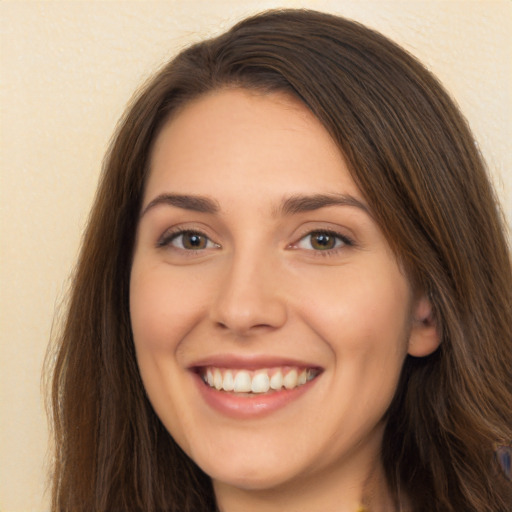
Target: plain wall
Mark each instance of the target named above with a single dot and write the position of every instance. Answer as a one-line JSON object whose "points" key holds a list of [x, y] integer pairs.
{"points": [[68, 69]]}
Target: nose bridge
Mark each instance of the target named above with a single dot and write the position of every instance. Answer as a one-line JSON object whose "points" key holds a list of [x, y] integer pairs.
{"points": [[249, 295]]}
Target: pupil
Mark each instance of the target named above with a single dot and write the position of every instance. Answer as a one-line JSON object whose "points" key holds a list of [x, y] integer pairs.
{"points": [[323, 241], [193, 241]]}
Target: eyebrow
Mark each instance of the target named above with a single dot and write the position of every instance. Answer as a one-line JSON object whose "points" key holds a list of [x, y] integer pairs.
{"points": [[291, 205], [307, 203], [200, 204]]}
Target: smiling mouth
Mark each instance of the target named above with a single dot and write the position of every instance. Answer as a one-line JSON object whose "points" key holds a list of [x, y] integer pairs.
{"points": [[261, 381]]}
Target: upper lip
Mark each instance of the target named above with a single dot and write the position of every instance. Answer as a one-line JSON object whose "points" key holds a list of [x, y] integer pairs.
{"points": [[246, 362]]}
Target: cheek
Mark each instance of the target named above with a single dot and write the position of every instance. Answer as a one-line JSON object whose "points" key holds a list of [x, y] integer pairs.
{"points": [[161, 316], [363, 317], [162, 311], [379, 311], [363, 310]]}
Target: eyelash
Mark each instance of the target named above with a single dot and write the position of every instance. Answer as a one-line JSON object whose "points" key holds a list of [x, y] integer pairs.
{"points": [[345, 242], [169, 237]]}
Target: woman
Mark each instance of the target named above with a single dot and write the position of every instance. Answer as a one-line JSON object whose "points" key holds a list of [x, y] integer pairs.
{"points": [[294, 291]]}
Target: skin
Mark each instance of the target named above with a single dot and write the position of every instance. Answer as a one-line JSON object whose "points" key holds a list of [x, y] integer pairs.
{"points": [[261, 287]]}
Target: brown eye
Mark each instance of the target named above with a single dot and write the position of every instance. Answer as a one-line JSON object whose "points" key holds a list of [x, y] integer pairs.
{"points": [[187, 241], [323, 241], [194, 241]]}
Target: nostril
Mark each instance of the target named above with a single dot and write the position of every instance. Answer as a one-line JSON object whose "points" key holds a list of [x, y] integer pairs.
{"points": [[244, 329]]}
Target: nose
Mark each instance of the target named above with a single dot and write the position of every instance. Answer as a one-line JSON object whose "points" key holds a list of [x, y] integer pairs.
{"points": [[250, 297]]}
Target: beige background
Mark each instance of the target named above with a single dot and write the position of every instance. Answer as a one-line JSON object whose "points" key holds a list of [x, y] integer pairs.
{"points": [[67, 70]]}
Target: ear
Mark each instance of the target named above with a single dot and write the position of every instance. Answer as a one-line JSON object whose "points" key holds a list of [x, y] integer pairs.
{"points": [[424, 337]]}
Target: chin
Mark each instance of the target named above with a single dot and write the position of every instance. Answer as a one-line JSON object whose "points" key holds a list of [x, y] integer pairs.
{"points": [[249, 477]]}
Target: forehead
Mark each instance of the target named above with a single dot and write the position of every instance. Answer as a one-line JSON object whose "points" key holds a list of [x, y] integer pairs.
{"points": [[238, 138]]}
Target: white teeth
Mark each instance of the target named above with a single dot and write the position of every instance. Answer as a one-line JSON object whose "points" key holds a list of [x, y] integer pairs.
{"points": [[260, 383], [217, 379], [242, 382], [290, 380], [228, 384], [276, 381]]}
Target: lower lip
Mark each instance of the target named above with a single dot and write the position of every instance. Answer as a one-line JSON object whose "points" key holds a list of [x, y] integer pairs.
{"points": [[252, 406]]}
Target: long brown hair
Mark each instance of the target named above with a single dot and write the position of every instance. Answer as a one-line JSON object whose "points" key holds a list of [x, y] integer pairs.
{"points": [[413, 157]]}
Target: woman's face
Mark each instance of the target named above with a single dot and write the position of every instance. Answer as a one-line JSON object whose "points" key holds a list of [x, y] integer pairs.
{"points": [[270, 317]]}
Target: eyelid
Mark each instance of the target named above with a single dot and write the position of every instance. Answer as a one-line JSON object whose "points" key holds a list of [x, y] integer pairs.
{"points": [[346, 241], [171, 234]]}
